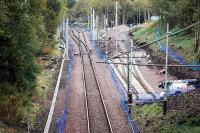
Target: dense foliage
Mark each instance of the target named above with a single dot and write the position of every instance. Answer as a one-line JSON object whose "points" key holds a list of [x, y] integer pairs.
{"points": [[181, 11], [178, 13], [138, 11], [26, 28], [70, 3]]}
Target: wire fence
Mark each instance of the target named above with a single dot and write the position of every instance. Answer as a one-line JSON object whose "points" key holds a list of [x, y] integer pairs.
{"points": [[61, 121], [124, 106], [174, 55], [118, 85]]}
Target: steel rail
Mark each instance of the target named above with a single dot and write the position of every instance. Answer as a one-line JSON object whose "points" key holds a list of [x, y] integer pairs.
{"points": [[97, 82], [141, 81], [125, 79], [84, 83]]}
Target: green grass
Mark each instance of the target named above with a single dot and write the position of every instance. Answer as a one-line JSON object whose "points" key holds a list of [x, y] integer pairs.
{"points": [[56, 52], [183, 43], [44, 80], [28, 113], [145, 34], [149, 119], [151, 111], [190, 126]]}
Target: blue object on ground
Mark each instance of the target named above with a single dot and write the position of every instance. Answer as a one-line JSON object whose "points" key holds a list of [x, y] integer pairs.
{"points": [[61, 121], [119, 87], [174, 55]]}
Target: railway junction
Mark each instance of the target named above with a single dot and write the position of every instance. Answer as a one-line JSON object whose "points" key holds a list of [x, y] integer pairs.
{"points": [[106, 81]]}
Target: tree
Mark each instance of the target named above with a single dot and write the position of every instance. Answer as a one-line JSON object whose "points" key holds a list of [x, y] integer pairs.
{"points": [[26, 27], [70, 3]]}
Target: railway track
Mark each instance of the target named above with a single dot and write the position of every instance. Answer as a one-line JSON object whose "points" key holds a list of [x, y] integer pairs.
{"points": [[97, 114], [136, 75], [125, 79]]}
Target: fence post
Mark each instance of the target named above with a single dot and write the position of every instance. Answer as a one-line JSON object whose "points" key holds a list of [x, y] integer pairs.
{"points": [[166, 73]]}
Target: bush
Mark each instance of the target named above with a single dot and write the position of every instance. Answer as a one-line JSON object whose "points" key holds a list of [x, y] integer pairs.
{"points": [[46, 51]]}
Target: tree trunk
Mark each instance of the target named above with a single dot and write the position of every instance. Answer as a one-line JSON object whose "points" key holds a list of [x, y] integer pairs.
{"points": [[145, 15], [197, 40], [124, 16], [198, 43], [139, 16], [149, 15]]}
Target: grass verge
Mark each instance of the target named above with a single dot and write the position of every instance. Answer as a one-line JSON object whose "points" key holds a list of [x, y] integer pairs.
{"points": [[149, 120], [183, 43]]}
